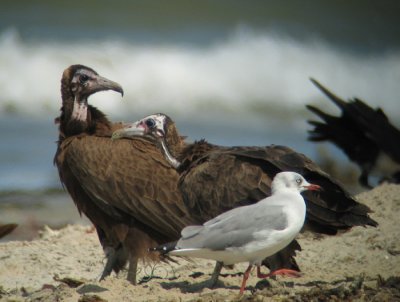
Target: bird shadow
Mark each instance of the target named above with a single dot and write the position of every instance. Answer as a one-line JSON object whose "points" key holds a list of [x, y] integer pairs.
{"points": [[188, 287]]}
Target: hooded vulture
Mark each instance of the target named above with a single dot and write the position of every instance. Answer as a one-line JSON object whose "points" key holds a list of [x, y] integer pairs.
{"points": [[364, 134], [215, 179], [126, 188]]}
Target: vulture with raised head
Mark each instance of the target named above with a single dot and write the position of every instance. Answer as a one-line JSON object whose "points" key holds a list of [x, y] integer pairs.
{"points": [[215, 179], [364, 134], [125, 187]]}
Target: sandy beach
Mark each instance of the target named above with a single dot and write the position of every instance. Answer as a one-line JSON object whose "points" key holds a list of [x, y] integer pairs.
{"points": [[65, 264]]}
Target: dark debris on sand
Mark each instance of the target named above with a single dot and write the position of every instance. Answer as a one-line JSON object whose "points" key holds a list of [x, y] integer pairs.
{"points": [[350, 289]]}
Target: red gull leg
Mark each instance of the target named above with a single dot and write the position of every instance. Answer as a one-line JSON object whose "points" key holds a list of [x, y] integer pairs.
{"points": [[283, 271], [245, 277]]}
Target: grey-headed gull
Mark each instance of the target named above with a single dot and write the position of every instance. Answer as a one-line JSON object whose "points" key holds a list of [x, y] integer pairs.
{"points": [[249, 233]]}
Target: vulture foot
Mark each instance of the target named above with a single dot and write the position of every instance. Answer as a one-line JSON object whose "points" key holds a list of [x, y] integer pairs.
{"points": [[111, 259], [116, 260]]}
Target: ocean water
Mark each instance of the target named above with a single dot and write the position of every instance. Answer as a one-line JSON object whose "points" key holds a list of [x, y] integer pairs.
{"points": [[233, 72]]}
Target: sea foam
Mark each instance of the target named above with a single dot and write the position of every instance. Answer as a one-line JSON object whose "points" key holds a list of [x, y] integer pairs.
{"points": [[246, 70]]}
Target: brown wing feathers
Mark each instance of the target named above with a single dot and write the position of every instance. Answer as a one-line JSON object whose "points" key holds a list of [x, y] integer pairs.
{"points": [[247, 172], [131, 180], [218, 179], [331, 209]]}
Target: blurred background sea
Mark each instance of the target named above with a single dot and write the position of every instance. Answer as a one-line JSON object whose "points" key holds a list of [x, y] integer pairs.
{"points": [[233, 72]]}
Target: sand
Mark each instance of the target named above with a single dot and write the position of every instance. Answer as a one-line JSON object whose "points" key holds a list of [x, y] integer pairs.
{"points": [[360, 265]]}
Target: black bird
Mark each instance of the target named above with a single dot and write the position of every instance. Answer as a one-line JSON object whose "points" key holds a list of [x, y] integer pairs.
{"points": [[364, 134]]}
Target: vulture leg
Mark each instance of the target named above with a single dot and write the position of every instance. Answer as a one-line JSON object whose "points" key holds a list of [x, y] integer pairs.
{"points": [[283, 271], [116, 259], [245, 277], [111, 257], [132, 270], [214, 277]]}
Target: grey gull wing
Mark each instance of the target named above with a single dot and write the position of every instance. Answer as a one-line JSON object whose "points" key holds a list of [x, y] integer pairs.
{"points": [[234, 228]]}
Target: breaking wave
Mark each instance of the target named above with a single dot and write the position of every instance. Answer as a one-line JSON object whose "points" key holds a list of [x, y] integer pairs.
{"points": [[249, 70]]}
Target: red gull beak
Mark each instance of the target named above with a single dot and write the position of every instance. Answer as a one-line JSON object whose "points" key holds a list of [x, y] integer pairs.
{"points": [[312, 187]]}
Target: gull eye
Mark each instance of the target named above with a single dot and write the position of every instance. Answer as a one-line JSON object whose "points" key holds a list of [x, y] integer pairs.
{"points": [[298, 180], [150, 123], [83, 78]]}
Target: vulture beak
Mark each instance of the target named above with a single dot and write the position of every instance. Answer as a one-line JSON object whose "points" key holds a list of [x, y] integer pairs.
{"points": [[312, 187], [101, 84], [130, 130]]}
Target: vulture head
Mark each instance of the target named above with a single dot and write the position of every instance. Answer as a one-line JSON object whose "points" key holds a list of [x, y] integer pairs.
{"points": [[77, 84], [159, 128], [156, 126]]}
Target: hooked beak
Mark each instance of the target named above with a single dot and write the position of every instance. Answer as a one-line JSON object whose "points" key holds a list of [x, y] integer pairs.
{"points": [[102, 84], [313, 187], [130, 130]]}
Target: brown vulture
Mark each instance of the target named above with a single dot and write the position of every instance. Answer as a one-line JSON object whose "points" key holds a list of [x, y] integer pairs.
{"points": [[364, 134], [215, 179], [123, 186]]}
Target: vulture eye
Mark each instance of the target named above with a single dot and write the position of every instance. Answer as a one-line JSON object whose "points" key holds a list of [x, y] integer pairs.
{"points": [[150, 123], [83, 78]]}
